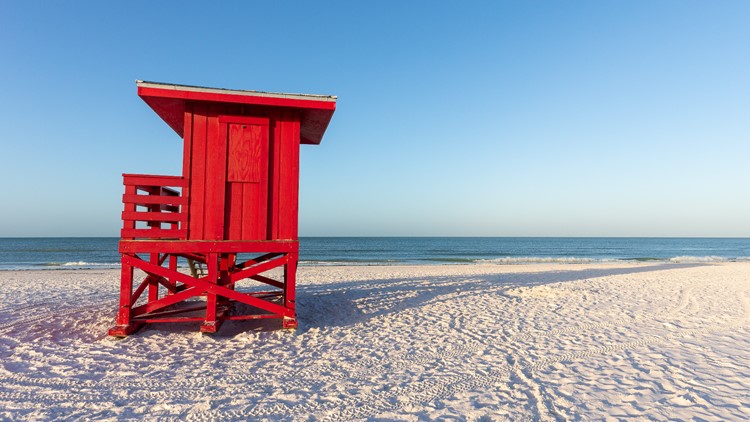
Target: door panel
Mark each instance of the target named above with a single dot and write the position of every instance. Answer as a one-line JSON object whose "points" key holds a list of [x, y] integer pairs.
{"points": [[247, 178], [248, 153]]}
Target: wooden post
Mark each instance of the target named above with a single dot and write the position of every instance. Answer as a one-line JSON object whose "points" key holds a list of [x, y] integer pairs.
{"points": [[124, 326], [153, 284], [210, 324], [290, 282], [173, 267]]}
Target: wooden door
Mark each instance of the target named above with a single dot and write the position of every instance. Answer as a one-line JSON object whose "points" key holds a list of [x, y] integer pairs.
{"points": [[247, 196]]}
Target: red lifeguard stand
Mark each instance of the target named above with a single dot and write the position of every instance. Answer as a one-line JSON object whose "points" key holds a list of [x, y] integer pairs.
{"points": [[238, 194]]}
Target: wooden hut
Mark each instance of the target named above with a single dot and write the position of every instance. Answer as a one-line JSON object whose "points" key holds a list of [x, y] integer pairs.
{"points": [[238, 194]]}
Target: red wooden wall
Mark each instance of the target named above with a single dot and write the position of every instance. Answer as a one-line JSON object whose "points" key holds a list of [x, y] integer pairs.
{"points": [[243, 166]]}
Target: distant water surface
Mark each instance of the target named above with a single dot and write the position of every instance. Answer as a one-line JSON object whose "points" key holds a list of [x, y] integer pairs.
{"points": [[101, 252]]}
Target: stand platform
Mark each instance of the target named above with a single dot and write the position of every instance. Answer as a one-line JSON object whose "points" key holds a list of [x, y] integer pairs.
{"points": [[172, 295]]}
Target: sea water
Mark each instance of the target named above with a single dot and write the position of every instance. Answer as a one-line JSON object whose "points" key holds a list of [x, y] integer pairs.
{"points": [[101, 252]]}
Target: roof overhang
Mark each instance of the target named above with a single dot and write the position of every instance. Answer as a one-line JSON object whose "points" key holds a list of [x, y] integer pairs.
{"points": [[169, 102]]}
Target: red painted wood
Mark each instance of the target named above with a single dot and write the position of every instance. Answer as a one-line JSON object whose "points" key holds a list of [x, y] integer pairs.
{"points": [[290, 295], [187, 148], [126, 285], [209, 325], [216, 174], [171, 109], [169, 319], [257, 260], [243, 119], [269, 281], [201, 247], [238, 194], [274, 175], [239, 99], [234, 211], [257, 269], [206, 286], [290, 206], [152, 199], [154, 216], [128, 206], [248, 153], [141, 288], [254, 211], [165, 301], [153, 284], [198, 172], [153, 180], [153, 233], [288, 177], [247, 177], [180, 310]]}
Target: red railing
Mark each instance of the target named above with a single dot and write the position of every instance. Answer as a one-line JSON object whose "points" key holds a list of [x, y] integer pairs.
{"points": [[154, 208]]}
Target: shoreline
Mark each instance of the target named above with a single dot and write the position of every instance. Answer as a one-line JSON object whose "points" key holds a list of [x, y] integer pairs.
{"points": [[505, 261]]}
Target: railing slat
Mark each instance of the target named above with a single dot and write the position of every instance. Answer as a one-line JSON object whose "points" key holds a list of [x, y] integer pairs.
{"points": [[153, 180], [153, 233], [154, 216], [153, 200]]}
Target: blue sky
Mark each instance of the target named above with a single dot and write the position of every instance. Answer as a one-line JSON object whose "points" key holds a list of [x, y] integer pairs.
{"points": [[510, 118]]}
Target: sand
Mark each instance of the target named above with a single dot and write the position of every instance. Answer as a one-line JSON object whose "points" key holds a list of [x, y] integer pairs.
{"points": [[476, 342]]}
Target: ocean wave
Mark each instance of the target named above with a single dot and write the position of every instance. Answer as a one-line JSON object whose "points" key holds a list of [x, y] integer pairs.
{"points": [[581, 260], [452, 260], [543, 260], [362, 262], [82, 264], [689, 259], [56, 250]]}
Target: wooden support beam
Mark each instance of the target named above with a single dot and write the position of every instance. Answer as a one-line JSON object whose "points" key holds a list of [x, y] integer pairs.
{"points": [[269, 281], [153, 180], [141, 288], [257, 269], [203, 247], [258, 260], [153, 233], [167, 301], [203, 285]]}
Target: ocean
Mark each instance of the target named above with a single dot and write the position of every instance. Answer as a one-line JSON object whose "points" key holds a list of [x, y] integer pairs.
{"points": [[101, 252]]}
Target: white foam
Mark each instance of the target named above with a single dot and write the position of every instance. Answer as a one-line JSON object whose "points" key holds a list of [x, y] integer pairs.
{"points": [[88, 264], [689, 259], [542, 260], [347, 263]]}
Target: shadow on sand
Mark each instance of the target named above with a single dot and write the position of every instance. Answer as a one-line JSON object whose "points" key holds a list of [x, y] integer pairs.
{"points": [[337, 305]]}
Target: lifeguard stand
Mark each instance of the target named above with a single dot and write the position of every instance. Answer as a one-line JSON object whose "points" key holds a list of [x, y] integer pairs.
{"points": [[238, 194]]}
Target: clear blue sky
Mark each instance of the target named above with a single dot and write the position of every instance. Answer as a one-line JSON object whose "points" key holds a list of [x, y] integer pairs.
{"points": [[499, 118]]}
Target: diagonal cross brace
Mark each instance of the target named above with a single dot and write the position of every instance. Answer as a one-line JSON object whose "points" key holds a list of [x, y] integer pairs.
{"points": [[166, 301], [259, 268], [269, 281], [205, 286], [258, 260]]}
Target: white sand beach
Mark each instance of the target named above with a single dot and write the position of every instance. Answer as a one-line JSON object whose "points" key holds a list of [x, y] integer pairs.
{"points": [[662, 341]]}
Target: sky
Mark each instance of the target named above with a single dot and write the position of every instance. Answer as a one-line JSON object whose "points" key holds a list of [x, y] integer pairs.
{"points": [[498, 118]]}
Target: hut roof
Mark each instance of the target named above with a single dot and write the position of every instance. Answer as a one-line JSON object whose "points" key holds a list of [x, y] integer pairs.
{"points": [[169, 102]]}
